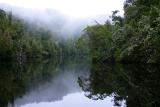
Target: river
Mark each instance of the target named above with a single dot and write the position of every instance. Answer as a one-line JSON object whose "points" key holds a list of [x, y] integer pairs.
{"points": [[78, 82]]}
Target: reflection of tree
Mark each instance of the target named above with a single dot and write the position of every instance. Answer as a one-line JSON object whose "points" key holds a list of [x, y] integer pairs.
{"points": [[10, 82], [15, 79], [18, 79], [138, 85]]}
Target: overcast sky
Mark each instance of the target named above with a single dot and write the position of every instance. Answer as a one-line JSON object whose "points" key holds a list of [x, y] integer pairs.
{"points": [[73, 8]]}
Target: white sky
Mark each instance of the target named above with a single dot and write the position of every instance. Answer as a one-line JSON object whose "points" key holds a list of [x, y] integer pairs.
{"points": [[74, 8]]}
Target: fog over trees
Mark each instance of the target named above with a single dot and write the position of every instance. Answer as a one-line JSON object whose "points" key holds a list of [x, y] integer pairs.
{"points": [[132, 37]]}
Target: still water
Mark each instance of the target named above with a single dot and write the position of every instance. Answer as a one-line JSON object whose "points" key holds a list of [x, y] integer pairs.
{"points": [[78, 82]]}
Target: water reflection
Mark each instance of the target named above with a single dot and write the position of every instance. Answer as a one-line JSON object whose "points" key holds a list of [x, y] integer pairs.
{"points": [[75, 82], [40, 81], [73, 100], [137, 85]]}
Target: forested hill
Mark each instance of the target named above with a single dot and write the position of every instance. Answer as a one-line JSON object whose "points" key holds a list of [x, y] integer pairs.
{"points": [[132, 38], [20, 40]]}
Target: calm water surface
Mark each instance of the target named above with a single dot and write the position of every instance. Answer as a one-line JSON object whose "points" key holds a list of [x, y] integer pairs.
{"points": [[78, 82]]}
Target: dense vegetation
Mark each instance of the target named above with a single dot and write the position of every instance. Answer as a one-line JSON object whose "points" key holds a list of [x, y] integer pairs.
{"points": [[20, 40], [132, 38]]}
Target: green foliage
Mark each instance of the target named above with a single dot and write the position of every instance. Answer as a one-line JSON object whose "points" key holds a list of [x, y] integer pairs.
{"points": [[20, 40], [132, 38], [82, 45], [100, 41]]}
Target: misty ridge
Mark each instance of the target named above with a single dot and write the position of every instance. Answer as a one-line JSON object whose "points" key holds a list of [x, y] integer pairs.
{"points": [[44, 32], [59, 24]]}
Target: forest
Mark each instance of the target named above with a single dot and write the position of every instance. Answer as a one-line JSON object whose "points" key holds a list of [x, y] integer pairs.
{"points": [[20, 40], [108, 64], [134, 37]]}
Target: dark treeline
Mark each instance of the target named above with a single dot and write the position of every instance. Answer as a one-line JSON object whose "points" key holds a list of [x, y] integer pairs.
{"points": [[132, 38], [21, 40]]}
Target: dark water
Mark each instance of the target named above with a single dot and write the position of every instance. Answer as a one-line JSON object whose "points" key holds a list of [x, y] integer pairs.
{"points": [[78, 82]]}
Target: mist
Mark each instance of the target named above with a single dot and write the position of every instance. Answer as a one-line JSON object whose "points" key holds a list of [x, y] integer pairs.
{"points": [[63, 23]]}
